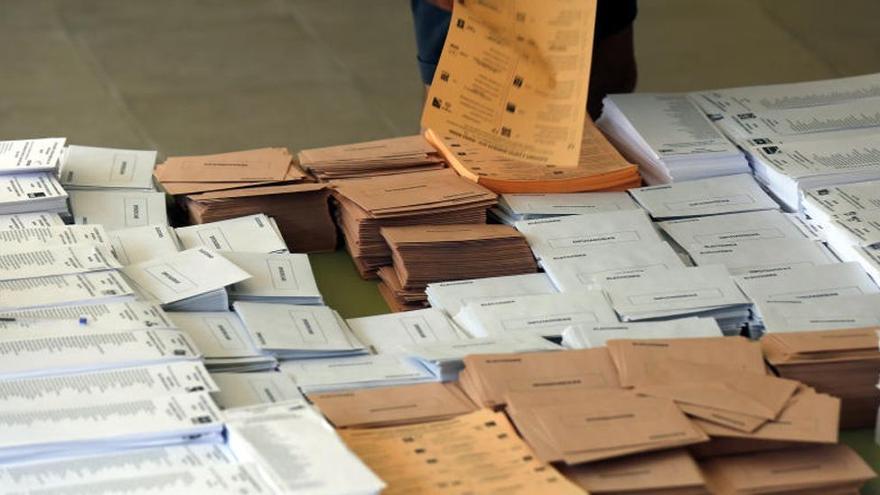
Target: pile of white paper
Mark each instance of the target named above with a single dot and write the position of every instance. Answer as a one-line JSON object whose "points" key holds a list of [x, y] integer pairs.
{"points": [[394, 333], [139, 244], [223, 341], [450, 296], [730, 194], [831, 313], [275, 278], [343, 373], [250, 389], [515, 207], [249, 234], [118, 209], [588, 336], [27, 179], [87, 167]]}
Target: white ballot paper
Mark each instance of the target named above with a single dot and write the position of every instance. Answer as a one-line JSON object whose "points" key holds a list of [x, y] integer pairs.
{"points": [[541, 315], [67, 235], [250, 234], [90, 167], [61, 290], [390, 333], [185, 274], [43, 393], [30, 353], [729, 194], [134, 315], [765, 256], [248, 389], [75, 473], [139, 244], [290, 331], [343, 373], [830, 313], [578, 271], [216, 334], [118, 209], [298, 451], [59, 260], [588, 336], [771, 124], [822, 204], [449, 297], [734, 227], [26, 193], [808, 283], [563, 235], [283, 278], [30, 155], [533, 206], [860, 229], [119, 422], [33, 220]]}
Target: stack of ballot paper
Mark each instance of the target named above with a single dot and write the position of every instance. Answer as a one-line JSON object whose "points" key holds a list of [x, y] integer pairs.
{"points": [[64, 290], [449, 297], [730, 194], [31, 192], [133, 315], [250, 234], [823, 469], [254, 388], [733, 227], [842, 363], [665, 472], [118, 209], [28, 263], [36, 219], [347, 373], [539, 315], [600, 166], [224, 342], [289, 331], [422, 254], [591, 335], [669, 137], [397, 333], [791, 314], [381, 157], [397, 454], [280, 278], [515, 207], [390, 406], [191, 280], [856, 238], [21, 156], [762, 256], [87, 167], [824, 204], [422, 198], [138, 244]]}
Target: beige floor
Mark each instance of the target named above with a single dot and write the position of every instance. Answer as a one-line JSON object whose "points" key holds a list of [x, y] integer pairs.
{"points": [[199, 76]]}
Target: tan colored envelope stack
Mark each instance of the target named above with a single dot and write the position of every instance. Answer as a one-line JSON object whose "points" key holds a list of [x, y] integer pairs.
{"points": [[372, 158], [669, 472]]}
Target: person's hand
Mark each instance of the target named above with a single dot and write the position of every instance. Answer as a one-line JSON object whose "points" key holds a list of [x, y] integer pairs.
{"points": [[442, 4]]}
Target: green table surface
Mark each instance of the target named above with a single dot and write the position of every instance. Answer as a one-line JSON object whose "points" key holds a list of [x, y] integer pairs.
{"points": [[346, 292]]}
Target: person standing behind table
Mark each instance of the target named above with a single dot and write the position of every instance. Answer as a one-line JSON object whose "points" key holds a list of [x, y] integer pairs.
{"points": [[614, 62]]}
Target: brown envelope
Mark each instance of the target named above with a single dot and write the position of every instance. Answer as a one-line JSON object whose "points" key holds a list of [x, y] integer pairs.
{"points": [[651, 473], [426, 234], [823, 346], [393, 405], [264, 164]]}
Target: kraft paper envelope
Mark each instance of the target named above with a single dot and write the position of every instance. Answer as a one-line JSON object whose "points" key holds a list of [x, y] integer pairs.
{"points": [[264, 164], [655, 472]]}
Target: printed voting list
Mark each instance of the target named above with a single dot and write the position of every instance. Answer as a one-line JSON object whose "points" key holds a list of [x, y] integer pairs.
{"points": [[67, 235], [515, 207], [588, 336], [30, 155], [26, 193], [394, 332], [139, 244], [185, 274], [513, 78], [90, 167], [60, 260], [283, 278], [118, 209], [33, 220], [249, 389], [134, 315], [822, 204], [450, 296], [252, 233], [730, 194], [61, 290]]}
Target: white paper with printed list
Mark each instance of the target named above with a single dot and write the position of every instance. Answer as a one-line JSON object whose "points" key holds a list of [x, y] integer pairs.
{"points": [[542, 315], [765, 256], [139, 244], [342, 373], [449, 297], [37, 238], [391, 333], [30, 155], [249, 234], [578, 271], [91, 167], [57, 260], [118, 209], [283, 277], [563, 235], [27, 193], [134, 315], [734, 227], [822, 204], [588, 336], [33, 220], [717, 195], [61, 290], [185, 274]]}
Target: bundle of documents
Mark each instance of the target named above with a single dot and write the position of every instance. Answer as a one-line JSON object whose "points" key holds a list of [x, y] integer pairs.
{"points": [[600, 167], [390, 406], [669, 137], [250, 234], [842, 363], [36, 219], [347, 373], [301, 211], [372, 158], [118, 209], [31, 192], [515, 207], [222, 339], [539, 315], [423, 254], [665, 472], [824, 204], [789, 168], [87, 167], [397, 333], [398, 455], [280, 278], [729, 194], [255, 388], [21, 156], [63, 290], [449, 297], [55, 260], [422, 198], [822, 469], [588, 336], [289, 331], [191, 280]]}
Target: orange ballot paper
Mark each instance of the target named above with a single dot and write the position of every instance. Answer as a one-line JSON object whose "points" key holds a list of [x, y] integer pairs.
{"points": [[513, 77]]}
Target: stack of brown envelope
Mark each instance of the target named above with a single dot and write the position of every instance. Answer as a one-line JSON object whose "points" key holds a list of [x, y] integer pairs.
{"points": [[819, 470], [438, 197], [580, 426], [372, 158], [424, 254], [387, 406], [478, 452], [669, 472], [843, 363], [488, 378]]}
